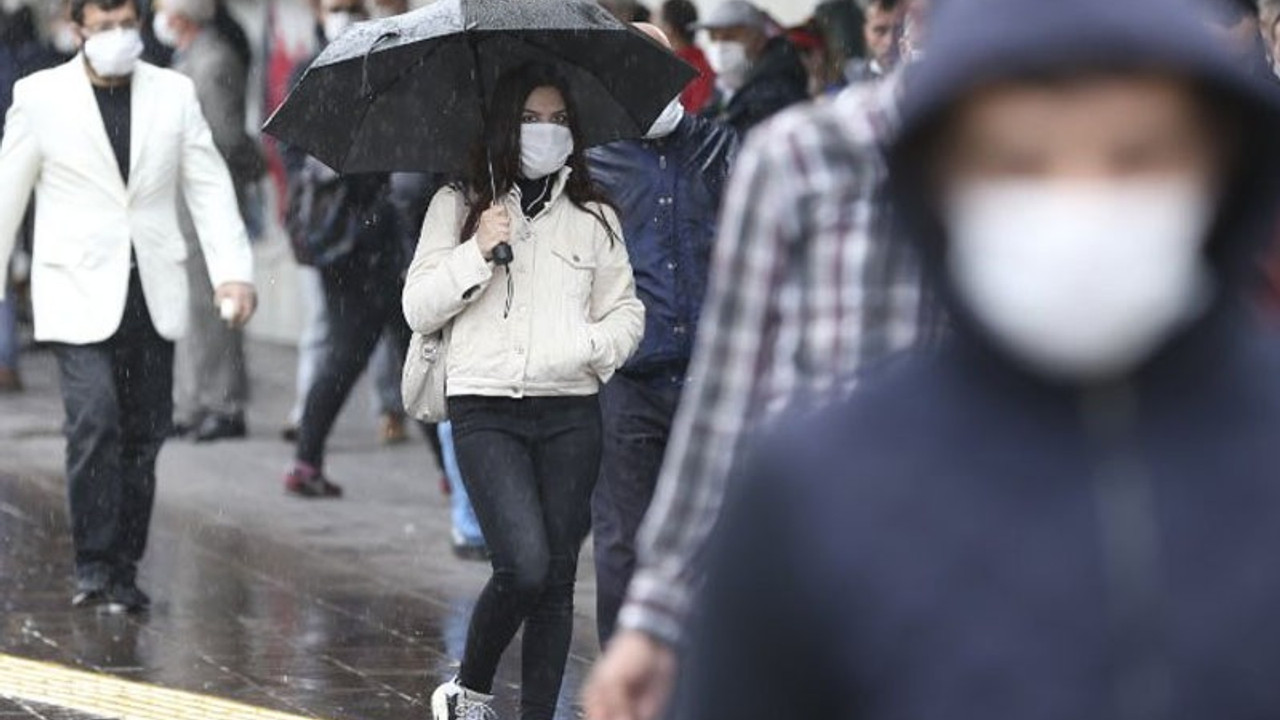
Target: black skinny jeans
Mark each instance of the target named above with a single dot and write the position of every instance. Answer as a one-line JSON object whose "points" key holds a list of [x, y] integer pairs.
{"points": [[530, 467]]}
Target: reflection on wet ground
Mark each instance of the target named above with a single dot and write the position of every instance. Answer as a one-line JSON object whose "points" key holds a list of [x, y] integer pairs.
{"points": [[15, 709], [235, 618]]}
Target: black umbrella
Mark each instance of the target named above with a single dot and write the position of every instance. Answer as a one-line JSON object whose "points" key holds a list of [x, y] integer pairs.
{"points": [[409, 93]]}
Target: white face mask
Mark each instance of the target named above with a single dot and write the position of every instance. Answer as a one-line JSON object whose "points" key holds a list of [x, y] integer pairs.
{"points": [[667, 122], [63, 38], [114, 53], [10, 7], [160, 24], [544, 149], [1081, 281], [337, 23], [728, 58]]}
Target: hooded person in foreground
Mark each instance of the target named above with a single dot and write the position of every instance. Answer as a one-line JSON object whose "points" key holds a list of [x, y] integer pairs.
{"points": [[1069, 509]]}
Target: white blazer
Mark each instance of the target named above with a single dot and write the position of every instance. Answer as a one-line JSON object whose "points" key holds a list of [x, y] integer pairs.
{"points": [[55, 142]]}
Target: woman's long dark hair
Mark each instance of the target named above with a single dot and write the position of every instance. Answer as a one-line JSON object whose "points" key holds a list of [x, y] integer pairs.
{"points": [[500, 145]]}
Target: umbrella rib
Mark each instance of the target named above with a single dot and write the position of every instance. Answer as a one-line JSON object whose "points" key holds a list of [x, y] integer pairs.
{"points": [[372, 97]]}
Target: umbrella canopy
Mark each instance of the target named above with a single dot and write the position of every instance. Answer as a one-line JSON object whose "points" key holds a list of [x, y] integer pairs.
{"points": [[405, 93]]}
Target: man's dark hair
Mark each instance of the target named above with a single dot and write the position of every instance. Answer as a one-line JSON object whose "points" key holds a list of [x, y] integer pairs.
{"points": [[681, 16], [78, 6], [884, 5]]}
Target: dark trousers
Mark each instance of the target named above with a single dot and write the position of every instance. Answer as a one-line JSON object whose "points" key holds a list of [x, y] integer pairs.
{"points": [[637, 424], [118, 397], [529, 466], [363, 302]]}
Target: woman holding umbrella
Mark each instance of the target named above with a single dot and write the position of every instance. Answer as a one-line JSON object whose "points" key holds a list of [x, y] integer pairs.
{"points": [[525, 266]]}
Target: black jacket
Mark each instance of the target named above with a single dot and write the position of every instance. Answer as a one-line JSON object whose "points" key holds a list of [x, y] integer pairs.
{"points": [[777, 80]]}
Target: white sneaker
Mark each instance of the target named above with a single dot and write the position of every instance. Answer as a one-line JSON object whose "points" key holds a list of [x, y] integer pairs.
{"points": [[451, 701]]}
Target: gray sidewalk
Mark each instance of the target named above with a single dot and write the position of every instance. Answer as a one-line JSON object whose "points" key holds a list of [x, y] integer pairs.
{"points": [[388, 538]]}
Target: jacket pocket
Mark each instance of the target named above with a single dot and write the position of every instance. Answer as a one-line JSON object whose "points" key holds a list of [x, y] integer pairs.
{"points": [[172, 251], [58, 254], [576, 270]]}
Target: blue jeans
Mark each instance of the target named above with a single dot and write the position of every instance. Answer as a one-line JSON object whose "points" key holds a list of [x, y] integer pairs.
{"points": [[8, 333], [465, 526]]}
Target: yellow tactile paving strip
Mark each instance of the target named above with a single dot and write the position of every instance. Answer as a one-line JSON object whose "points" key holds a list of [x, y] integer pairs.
{"points": [[111, 697]]}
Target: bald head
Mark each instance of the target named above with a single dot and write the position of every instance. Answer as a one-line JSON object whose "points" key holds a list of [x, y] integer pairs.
{"points": [[654, 32]]}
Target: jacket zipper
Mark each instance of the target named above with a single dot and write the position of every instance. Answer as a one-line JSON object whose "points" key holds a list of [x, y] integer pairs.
{"points": [[1138, 659]]}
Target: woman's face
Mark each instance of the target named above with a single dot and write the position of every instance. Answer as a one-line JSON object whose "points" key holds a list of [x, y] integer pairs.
{"points": [[545, 105]]}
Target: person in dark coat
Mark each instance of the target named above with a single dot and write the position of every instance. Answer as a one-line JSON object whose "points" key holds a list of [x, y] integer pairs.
{"points": [[667, 187], [1068, 509], [757, 75]]}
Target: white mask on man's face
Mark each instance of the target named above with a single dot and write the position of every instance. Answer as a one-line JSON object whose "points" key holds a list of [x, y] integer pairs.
{"points": [[667, 122], [1081, 281], [114, 53], [729, 60], [544, 149], [337, 23]]}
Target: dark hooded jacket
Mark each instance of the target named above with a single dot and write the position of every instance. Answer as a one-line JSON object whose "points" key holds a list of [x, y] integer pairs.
{"points": [[964, 540]]}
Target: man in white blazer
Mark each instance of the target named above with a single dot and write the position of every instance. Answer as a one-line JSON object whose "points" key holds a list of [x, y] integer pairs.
{"points": [[109, 144]]}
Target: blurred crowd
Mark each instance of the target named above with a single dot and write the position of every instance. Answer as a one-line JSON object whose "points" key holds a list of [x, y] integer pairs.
{"points": [[1009, 230], [750, 67]]}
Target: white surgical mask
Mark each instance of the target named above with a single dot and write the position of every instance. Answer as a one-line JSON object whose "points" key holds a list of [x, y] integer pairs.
{"points": [[667, 122], [10, 7], [336, 23], [163, 30], [1081, 281], [114, 53], [728, 58], [63, 38], [544, 149]]}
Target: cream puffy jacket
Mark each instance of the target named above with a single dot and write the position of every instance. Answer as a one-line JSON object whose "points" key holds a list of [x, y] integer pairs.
{"points": [[574, 317]]}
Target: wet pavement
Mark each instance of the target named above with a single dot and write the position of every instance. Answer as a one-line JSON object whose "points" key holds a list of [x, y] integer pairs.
{"points": [[348, 610], [14, 709]]}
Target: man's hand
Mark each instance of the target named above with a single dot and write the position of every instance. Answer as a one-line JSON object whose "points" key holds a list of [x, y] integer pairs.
{"points": [[241, 297], [632, 681]]}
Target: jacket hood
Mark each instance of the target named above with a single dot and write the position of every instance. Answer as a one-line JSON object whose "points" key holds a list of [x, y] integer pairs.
{"points": [[976, 43]]}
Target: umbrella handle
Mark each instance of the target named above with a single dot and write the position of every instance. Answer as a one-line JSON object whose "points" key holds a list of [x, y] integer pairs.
{"points": [[502, 254]]}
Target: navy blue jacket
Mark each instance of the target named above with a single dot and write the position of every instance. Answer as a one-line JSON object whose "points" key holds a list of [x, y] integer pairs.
{"points": [[668, 194], [965, 540]]}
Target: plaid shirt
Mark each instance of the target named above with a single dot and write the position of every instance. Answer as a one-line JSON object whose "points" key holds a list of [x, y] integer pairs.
{"points": [[807, 289]]}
